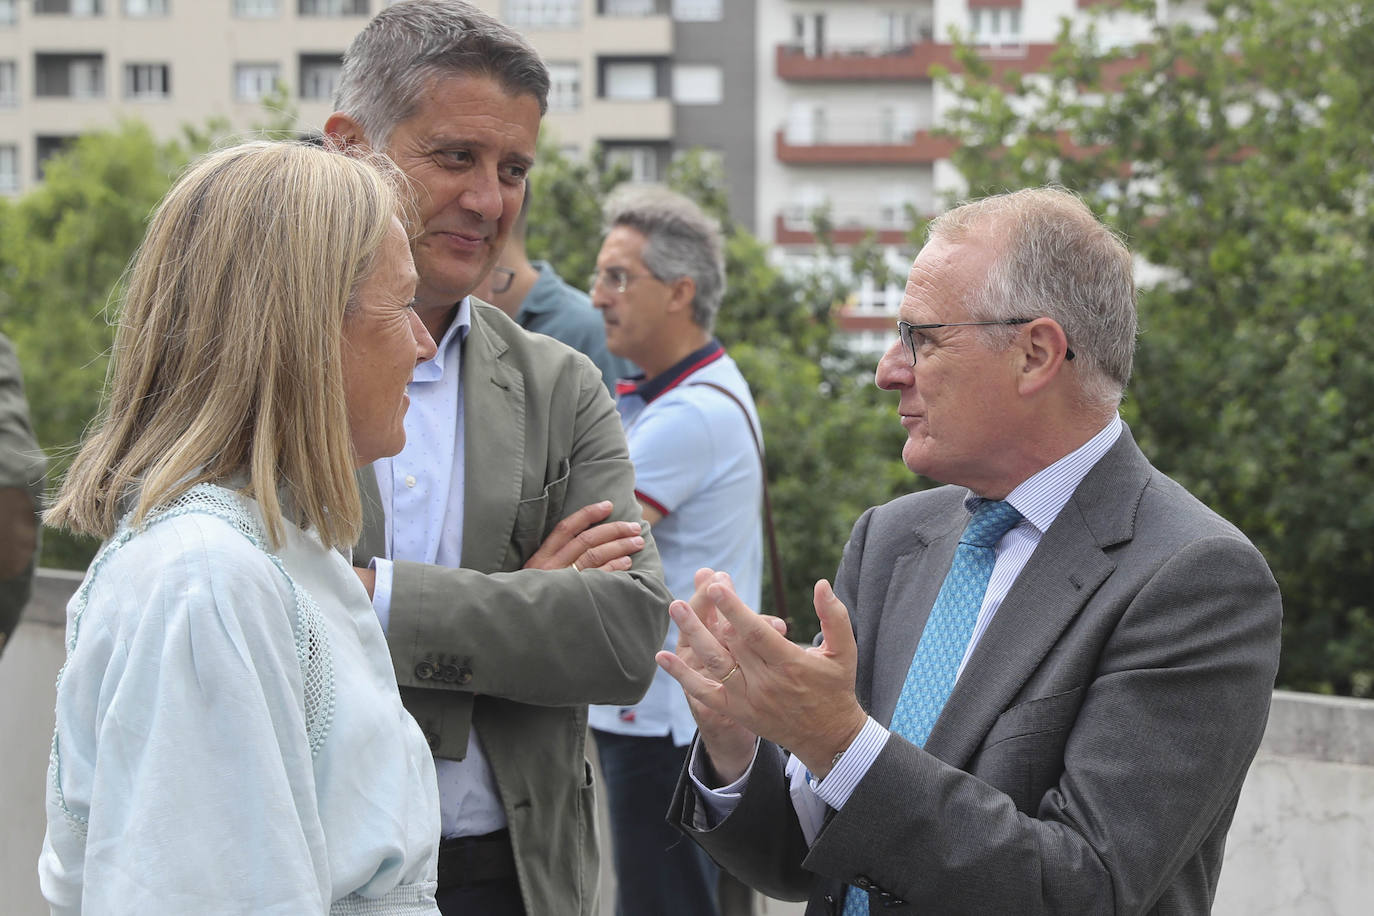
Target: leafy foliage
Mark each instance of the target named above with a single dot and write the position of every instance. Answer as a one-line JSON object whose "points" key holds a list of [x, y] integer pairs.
{"points": [[1237, 160]]}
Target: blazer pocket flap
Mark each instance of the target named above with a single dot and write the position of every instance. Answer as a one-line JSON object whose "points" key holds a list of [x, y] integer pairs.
{"points": [[536, 516], [1042, 714]]}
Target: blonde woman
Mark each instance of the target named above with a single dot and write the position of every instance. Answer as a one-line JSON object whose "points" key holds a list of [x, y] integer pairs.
{"points": [[229, 734]]}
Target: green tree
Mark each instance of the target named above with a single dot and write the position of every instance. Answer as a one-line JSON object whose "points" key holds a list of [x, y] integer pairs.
{"points": [[65, 247], [1237, 160]]}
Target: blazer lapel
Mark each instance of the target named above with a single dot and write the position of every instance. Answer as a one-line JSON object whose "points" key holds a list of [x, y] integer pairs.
{"points": [[494, 447], [916, 580], [1057, 582]]}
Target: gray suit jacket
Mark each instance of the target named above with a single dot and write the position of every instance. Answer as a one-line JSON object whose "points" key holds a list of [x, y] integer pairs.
{"points": [[1090, 756], [516, 654]]}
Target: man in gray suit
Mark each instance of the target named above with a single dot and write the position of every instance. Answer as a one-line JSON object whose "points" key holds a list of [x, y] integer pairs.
{"points": [[503, 625], [1049, 715]]}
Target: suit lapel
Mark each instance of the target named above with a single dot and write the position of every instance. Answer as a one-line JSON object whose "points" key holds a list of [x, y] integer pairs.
{"points": [[373, 540], [916, 579], [494, 447], [1060, 578]]}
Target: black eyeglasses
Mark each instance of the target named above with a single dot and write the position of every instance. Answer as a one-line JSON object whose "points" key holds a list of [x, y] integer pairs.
{"points": [[501, 279], [904, 329], [616, 278]]}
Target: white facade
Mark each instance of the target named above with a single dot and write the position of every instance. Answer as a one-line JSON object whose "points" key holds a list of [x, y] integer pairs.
{"points": [[69, 66], [846, 106]]}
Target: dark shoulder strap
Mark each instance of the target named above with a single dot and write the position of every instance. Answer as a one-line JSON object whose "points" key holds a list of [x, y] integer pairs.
{"points": [[774, 558]]}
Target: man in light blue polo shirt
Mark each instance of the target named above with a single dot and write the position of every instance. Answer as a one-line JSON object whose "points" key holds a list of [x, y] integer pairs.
{"points": [[691, 424]]}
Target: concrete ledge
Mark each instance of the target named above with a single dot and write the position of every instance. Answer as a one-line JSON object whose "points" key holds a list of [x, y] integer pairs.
{"points": [[1308, 726], [52, 589]]}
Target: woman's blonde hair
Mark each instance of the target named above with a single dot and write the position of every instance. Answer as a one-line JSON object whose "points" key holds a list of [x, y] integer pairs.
{"points": [[227, 362]]}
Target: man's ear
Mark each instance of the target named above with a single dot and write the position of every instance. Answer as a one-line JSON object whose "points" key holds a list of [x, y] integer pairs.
{"points": [[1043, 348], [684, 290], [343, 127]]}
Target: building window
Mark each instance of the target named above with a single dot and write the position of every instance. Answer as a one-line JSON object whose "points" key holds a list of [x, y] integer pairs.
{"points": [[642, 162], [629, 80], [147, 82], [145, 8], [47, 147], [68, 7], [697, 10], [257, 9], [333, 7], [254, 82], [543, 14], [565, 86], [69, 76], [320, 76], [9, 83], [696, 84], [8, 12], [9, 169], [628, 8], [995, 25]]}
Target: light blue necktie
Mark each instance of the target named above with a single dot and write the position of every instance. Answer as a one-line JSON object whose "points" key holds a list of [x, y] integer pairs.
{"points": [[946, 636]]}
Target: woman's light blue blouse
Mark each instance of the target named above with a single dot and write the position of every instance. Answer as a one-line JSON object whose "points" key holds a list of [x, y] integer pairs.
{"points": [[183, 778]]}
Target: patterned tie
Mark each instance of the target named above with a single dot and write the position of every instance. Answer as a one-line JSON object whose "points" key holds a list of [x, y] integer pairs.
{"points": [[945, 639]]}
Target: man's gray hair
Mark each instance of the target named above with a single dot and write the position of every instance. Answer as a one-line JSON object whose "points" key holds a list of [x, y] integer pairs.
{"points": [[1054, 258], [408, 45], [680, 241]]}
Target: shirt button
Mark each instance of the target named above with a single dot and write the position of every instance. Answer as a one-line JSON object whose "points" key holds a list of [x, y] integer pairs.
{"points": [[410, 480]]}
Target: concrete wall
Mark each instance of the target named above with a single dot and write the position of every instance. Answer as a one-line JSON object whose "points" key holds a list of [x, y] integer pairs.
{"points": [[1301, 844]]}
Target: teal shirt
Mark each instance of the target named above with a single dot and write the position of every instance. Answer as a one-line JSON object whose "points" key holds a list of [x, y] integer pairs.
{"points": [[554, 308]]}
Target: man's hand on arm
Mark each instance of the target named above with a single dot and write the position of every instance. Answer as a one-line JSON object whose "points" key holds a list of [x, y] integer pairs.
{"points": [[800, 699], [579, 539]]}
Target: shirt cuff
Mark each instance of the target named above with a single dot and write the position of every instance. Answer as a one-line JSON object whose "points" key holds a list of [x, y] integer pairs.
{"points": [[852, 766], [717, 803], [381, 590]]}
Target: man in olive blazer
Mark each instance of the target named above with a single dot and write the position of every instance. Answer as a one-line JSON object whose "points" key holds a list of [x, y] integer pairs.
{"points": [[1113, 686], [535, 591], [519, 654]]}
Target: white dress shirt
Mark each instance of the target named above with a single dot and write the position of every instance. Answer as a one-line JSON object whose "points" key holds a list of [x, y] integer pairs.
{"points": [[1039, 499]]}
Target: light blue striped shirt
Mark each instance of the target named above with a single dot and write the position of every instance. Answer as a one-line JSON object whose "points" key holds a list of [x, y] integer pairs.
{"points": [[1039, 499]]}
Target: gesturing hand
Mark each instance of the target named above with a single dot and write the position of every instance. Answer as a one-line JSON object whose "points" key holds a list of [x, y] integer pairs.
{"points": [[801, 699]]}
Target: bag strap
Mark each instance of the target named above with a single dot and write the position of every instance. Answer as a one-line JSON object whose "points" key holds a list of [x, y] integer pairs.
{"points": [[774, 558]]}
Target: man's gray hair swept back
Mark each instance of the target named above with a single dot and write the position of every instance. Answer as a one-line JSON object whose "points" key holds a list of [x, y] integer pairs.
{"points": [[408, 45], [681, 241], [1055, 258]]}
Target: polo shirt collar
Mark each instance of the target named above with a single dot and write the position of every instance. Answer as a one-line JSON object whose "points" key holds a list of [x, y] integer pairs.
{"points": [[661, 384]]}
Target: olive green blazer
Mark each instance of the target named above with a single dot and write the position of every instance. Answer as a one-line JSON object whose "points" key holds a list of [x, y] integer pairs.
{"points": [[519, 654]]}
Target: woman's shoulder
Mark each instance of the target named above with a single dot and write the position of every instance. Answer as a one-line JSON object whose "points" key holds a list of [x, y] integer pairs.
{"points": [[178, 563]]}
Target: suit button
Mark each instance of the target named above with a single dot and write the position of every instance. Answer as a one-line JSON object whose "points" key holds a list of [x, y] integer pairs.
{"points": [[432, 740], [446, 673], [864, 882], [464, 675], [424, 671]]}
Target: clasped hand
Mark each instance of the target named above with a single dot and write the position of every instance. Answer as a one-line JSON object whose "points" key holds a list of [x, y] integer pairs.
{"points": [[744, 678]]}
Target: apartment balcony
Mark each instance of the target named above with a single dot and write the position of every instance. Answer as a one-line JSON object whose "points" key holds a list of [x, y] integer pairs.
{"points": [[845, 231], [864, 145], [901, 62]]}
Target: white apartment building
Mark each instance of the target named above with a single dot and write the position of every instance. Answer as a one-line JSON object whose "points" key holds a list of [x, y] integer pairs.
{"points": [[629, 74], [846, 108]]}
